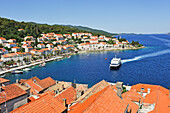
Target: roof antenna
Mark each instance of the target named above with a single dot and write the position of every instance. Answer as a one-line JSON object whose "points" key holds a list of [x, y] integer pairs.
{"points": [[74, 81]]}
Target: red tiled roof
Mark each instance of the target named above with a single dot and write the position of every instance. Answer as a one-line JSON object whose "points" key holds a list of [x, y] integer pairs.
{"points": [[11, 91], [11, 43], [69, 94], [47, 82], [44, 104], [145, 87], [41, 44], [34, 86], [2, 80], [161, 100], [94, 89], [16, 47], [133, 96], [1, 38], [69, 46], [93, 39], [105, 101], [38, 85], [13, 39], [5, 56], [133, 107]]}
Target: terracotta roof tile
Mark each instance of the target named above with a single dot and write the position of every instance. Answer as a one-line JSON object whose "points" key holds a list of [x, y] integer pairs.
{"points": [[106, 100], [38, 85], [11, 91], [2, 80], [133, 107], [161, 100], [47, 82], [69, 94], [145, 87], [133, 96], [44, 104], [34, 86], [1, 38]]}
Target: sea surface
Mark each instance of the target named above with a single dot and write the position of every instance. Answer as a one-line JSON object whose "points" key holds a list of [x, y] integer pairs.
{"points": [[150, 65]]}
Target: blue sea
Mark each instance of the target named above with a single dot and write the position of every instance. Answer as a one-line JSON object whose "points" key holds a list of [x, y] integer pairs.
{"points": [[150, 65]]}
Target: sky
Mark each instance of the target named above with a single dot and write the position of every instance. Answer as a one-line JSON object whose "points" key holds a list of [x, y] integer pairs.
{"points": [[115, 16]]}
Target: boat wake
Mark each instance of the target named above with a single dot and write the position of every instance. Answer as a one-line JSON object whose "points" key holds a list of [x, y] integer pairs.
{"points": [[146, 56], [162, 39]]}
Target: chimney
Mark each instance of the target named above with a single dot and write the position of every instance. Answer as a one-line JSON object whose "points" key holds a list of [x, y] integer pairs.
{"points": [[149, 90], [63, 87], [16, 80], [74, 85], [119, 86], [56, 81], [141, 93], [169, 93], [64, 102]]}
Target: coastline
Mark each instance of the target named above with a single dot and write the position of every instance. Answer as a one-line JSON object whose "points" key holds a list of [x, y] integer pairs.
{"points": [[111, 49], [32, 64], [59, 57]]}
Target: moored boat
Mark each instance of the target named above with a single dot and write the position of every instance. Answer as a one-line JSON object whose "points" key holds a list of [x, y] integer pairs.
{"points": [[42, 65], [115, 62], [16, 72], [27, 69]]}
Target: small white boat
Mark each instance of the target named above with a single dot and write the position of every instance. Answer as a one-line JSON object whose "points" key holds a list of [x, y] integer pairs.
{"points": [[42, 65], [68, 56], [16, 72], [27, 69], [115, 62]]}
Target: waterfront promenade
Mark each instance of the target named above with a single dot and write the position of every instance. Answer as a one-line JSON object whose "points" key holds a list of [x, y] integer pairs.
{"points": [[32, 64]]}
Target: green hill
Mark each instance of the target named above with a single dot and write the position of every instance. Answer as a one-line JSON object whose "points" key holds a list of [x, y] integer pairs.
{"points": [[95, 31], [9, 29]]}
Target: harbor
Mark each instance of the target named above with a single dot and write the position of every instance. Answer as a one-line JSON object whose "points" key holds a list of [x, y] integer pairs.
{"points": [[91, 67]]}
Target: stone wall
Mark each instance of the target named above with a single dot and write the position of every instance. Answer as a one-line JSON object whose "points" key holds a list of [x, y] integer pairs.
{"points": [[14, 103]]}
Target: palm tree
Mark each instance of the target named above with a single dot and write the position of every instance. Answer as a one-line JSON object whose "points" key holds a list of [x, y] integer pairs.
{"points": [[4, 64], [19, 61]]}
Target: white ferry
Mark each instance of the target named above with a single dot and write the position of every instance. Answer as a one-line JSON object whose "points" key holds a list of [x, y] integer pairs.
{"points": [[115, 62]]}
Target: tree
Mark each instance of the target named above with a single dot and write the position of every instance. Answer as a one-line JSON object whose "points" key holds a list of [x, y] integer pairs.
{"points": [[110, 42], [19, 61]]}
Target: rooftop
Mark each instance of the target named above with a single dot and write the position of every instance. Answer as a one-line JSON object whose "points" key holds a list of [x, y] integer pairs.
{"points": [[45, 104], [11, 91], [2, 80], [106, 100], [69, 94]]}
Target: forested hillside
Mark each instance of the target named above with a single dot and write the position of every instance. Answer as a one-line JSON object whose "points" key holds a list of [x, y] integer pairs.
{"points": [[9, 29]]}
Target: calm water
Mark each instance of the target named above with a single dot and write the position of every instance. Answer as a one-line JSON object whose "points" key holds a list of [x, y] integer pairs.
{"points": [[149, 65]]}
